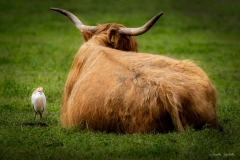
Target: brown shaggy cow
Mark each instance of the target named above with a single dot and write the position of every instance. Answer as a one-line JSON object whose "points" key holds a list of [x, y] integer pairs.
{"points": [[112, 88]]}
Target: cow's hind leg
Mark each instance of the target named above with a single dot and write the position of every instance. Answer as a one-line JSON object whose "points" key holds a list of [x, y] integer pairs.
{"points": [[214, 124], [172, 107]]}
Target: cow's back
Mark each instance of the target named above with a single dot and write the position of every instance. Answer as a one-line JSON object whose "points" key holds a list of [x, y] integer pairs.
{"points": [[125, 92]]}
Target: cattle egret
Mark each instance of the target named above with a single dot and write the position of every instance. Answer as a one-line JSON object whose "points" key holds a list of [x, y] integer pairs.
{"points": [[38, 102]]}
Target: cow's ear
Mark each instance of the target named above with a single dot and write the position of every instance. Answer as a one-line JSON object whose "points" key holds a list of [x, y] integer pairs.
{"points": [[112, 36], [86, 35]]}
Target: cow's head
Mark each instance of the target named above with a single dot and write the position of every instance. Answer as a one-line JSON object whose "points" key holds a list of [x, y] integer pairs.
{"points": [[112, 35]]}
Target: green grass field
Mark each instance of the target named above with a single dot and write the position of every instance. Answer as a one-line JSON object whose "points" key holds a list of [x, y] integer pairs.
{"points": [[37, 47]]}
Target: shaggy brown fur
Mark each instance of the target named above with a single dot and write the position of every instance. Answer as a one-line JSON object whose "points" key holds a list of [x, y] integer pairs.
{"points": [[107, 35], [109, 89]]}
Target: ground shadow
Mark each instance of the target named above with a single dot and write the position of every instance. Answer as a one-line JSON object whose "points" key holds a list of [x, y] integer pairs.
{"points": [[39, 124]]}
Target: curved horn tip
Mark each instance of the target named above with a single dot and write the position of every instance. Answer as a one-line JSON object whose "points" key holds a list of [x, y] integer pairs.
{"points": [[75, 20], [159, 15], [57, 9], [140, 30], [52, 8]]}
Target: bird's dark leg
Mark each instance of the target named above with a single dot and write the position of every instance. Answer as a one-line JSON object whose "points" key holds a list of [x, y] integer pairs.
{"points": [[35, 116], [40, 117]]}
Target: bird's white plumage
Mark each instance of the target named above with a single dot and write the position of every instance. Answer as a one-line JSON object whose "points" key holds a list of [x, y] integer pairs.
{"points": [[38, 100]]}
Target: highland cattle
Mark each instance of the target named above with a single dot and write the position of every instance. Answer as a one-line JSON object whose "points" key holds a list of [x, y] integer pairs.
{"points": [[112, 88]]}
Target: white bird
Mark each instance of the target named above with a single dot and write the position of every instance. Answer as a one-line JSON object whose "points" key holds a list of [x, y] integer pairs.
{"points": [[38, 102]]}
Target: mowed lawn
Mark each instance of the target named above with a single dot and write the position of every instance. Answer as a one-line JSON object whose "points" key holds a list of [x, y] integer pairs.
{"points": [[37, 47]]}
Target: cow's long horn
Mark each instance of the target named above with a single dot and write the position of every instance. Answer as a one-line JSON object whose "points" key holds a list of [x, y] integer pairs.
{"points": [[140, 30], [75, 20]]}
